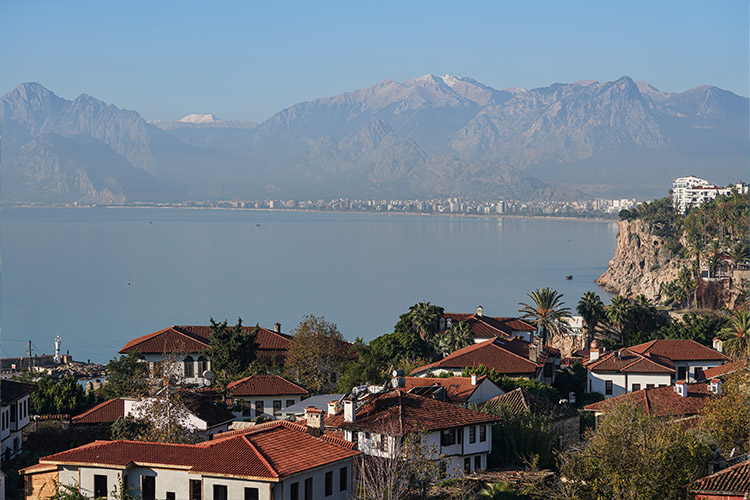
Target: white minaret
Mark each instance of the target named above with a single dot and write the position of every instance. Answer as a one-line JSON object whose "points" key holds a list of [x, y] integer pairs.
{"points": [[58, 341]]}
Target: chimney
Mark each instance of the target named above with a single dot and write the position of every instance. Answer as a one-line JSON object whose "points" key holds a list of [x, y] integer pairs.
{"points": [[534, 350], [714, 386], [334, 408], [594, 351], [474, 379], [718, 345], [277, 327], [480, 310], [314, 419], [349, 411], [680, 387]]}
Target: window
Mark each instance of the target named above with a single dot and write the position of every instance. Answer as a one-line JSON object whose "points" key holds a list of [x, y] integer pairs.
{"points": [[548, 367], [195, 489], [171, 495], [472, 434], [329, 483], [343, 478], [636, 387], [681, 373], [246, 410], [289, 402], [649, 386], [447, 437], [467, 465], [13, 410], [148, 487], [202, 365], [698, 373], [608, 387], [251, 493], [478, 462], [220, 492], [189, 367], [482, 433], [309, 488], [258, 408], [294, 491], [100, 485], [276, 406]]}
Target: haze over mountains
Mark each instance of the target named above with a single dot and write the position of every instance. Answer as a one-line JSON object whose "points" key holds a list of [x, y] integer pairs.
{"points": [[433, 136]]}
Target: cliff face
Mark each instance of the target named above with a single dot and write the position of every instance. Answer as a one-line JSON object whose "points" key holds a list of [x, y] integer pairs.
{"points": [[640, 265]]}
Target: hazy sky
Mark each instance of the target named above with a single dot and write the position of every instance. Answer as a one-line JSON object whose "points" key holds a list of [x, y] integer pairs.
{"points": [[247, 60]]}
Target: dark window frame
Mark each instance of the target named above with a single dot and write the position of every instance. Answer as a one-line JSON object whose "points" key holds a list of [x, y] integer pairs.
{"points": [[294, 491], [251, 493], [635, 387], [482, 433], [309, 490], [329, 483], [608, 387], [472, 434], [343, 478], [100, 491], [221, 492]]}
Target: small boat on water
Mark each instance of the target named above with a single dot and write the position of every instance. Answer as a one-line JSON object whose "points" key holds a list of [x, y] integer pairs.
{"points": [[569, 277]]}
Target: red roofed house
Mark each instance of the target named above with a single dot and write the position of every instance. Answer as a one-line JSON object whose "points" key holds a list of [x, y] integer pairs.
{"points": [[489, 327], [202, 416], [378, 425], [515, 358], [689, 357], [278, 460], [264, 395], [455, 390], [732, 483], [189, 342], [617, 372]]}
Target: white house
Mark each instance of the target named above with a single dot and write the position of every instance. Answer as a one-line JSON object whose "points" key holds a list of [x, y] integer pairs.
{"points": [[202, 416], [379, 424], [275, 461], [489, 327], [622, 371], [691, 191], [456, 390], [14, 415], [264, 395], [689, 358]]}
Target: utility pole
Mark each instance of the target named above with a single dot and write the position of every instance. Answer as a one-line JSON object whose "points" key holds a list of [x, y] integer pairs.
{"points": [[28, 351]]}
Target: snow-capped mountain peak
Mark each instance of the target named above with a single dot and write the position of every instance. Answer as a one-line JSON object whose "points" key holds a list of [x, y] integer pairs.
{"points": [[198, 118]]}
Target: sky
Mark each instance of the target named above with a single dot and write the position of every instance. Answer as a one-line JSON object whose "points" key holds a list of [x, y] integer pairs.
{"points": [[248, 60]]}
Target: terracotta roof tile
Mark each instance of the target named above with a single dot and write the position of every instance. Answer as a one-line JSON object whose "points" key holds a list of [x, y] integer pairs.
{"points": [[679, 350], [661, 401], [271, 451], [108, 411], [519, 400], [725, 369], [734, 480], [504, 356], [265, 385], [398, 413], [628, 361], [457, 389], [489, 326]]}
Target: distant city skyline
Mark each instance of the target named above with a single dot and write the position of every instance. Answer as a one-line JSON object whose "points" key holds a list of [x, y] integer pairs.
{"points": [[248, 61]]}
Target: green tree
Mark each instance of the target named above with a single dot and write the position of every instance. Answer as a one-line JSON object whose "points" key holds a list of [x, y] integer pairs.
{"points": [[633, 456], [317, 354], [127, 376], [591, 308], [129, 428], [546, 312], [726, 417], [64, 396], [231, 350], [459, 335], [425, 316], [736, 336], [618, 314], [702, 328]]}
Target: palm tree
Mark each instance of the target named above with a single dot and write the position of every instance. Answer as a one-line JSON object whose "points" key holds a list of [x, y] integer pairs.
{"points": [[696, 248], [497, 491], [738, 253], [736, 336], [546, 313], [424, 317], [618, 314], [591, 308], [460, 335]]}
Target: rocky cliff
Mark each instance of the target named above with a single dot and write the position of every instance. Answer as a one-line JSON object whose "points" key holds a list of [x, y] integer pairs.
{"points": [[640, 264]]}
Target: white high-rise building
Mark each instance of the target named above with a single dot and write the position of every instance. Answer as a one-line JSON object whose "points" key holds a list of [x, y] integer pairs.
{"points": [[688, 192]]}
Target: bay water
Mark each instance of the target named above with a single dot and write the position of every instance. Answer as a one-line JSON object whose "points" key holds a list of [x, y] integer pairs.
{"points": [[99, 277]]}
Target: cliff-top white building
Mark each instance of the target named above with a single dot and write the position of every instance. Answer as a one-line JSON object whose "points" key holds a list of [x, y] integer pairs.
{"points": [[688, 192]]}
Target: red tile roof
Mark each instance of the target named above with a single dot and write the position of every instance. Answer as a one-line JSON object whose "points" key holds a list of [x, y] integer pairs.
{"points": [[491, 327], [273, 451], [628, 361], [194, 339], [519, 400], [679, 350], [457, 389], [265, 385], [725, 369], [504, 356], [398, 413], [734, 480], [108, 411], [660, 401]]}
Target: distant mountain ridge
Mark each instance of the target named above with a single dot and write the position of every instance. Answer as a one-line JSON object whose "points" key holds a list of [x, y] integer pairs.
{"points": [[427, 137]]}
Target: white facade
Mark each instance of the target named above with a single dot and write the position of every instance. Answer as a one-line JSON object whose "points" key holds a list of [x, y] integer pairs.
{"points": [[270, 406], [457, 445], [691, 371], [622, 383], [13, 418], [688, 192], [191, 366]]}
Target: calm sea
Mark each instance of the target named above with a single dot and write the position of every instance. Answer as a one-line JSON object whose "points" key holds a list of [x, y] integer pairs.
{"points": [[99, 277]]}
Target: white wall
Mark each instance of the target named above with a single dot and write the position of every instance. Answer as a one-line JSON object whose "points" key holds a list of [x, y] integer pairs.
{"points": [[622, 383], [486, 391], [267, 404], [692, 365]]}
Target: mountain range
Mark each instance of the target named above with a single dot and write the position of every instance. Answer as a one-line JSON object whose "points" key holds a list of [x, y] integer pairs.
{"points": [[433, 136]]}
